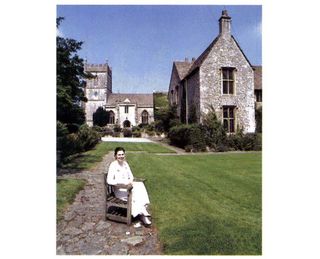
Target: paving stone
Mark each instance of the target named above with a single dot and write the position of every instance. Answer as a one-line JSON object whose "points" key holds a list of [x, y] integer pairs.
{"points": [[102, 225], [133, 240], [84, 231]]}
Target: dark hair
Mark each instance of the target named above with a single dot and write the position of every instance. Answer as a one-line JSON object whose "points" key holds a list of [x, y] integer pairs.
{"points": [[118, 149]]}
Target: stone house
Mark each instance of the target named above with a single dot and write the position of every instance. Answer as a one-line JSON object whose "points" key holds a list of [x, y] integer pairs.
{"points": [[125, 110], [223, 78]]}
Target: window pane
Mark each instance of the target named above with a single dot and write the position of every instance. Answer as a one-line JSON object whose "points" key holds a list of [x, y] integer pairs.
{"points": [[231, 74], [225, 125], [231, 112], [230, 87], [231, 125], [225, 112], [225, 73], [225, 87]]}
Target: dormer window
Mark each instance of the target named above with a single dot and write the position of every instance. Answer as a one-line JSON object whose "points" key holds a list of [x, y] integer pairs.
{"points": [[227, 80]]}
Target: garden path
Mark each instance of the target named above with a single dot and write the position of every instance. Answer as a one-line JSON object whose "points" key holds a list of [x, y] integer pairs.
{"points": [[84, 230]]}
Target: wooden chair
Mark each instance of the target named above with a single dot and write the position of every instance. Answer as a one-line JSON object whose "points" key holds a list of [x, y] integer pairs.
{"points": [[117, 209]]}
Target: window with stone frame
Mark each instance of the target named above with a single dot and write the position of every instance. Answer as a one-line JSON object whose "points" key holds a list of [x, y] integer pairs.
{"points": [[144, 117], [228, 80], [126, 109], [111, 117], [229, 118]]}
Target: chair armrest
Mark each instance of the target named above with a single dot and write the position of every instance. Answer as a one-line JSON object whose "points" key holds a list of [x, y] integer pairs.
{"points": [[124, 186]]}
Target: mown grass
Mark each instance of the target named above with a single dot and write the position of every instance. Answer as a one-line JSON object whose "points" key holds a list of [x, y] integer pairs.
{"points": [[67, 190], [205, 204], [90, 158], [201, 204]]}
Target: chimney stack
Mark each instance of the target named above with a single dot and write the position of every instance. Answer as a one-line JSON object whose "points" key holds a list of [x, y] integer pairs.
{"points": [[225, 24]]}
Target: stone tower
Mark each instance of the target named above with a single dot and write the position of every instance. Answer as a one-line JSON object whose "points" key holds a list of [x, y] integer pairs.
{"points": [[97, 88]]}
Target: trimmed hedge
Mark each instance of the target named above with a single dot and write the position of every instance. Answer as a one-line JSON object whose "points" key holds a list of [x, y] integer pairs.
{"points": [[187, 136], [195, 138]]}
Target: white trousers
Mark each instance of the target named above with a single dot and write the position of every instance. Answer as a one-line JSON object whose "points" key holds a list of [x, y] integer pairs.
{"points": [[140, 198]]}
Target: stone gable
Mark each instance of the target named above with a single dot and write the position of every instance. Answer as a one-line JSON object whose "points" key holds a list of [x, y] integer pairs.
{"points": [[202, 87]]}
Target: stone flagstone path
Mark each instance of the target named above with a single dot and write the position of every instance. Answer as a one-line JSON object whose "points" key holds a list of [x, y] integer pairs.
{"points": [[84, 230]]}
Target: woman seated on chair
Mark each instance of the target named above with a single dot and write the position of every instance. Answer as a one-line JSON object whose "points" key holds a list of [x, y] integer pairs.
{"points": [[120, 173]]}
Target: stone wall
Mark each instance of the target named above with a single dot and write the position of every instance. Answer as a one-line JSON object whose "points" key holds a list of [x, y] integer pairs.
{"points": [[175, 81], [226, 53], [193, 94], [96, 90]]}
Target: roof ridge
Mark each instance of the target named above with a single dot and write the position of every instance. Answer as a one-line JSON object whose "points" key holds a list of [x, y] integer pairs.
{"points": [[197, 63]]}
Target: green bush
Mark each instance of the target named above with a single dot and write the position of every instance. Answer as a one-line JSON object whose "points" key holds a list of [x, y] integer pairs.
{"points": [[116, 134], [245, 142], [88, 137], [213, 130], [136, 133], [116, 128], [189, 137], [108, 131], [127, 132], [150, 132], [100, 117]]}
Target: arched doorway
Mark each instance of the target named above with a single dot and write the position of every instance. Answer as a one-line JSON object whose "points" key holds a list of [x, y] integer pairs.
{"points": [[126, 124], [144, 117], [111, 117]]}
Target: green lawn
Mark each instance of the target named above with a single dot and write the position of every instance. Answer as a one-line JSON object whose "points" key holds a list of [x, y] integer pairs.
{"points": [[92, 157], [67, 190], [205, 204], [208, 204]]}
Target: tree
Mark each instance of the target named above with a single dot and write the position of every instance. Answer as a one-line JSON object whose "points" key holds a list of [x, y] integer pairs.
{"points": [[70, 80], [100, 117]]}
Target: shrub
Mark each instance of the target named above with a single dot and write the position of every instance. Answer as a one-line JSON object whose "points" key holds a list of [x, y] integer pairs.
{"points": [[88, 137], [127, 132], [98, 129], [100, 117], [73, 127], [245, 142], [213, 130], [150, 132], [116, 128], [108, 131], [189, 137], [72, 143], [136, 133], [178, 135], [116, 134]]}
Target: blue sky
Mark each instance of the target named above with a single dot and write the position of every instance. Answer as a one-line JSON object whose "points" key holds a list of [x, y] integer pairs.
{"points": [[141, 42]]}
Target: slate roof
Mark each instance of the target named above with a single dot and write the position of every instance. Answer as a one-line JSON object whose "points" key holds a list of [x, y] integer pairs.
{"points": [[182, 68], [257, 77], [144, 100]]}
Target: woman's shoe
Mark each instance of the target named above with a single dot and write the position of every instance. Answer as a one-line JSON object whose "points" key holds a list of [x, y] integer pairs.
{"points": [[146, 220]]}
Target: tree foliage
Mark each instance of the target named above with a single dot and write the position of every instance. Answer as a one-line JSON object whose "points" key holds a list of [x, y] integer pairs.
{"points": [[100, 117], [70, 80]]}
